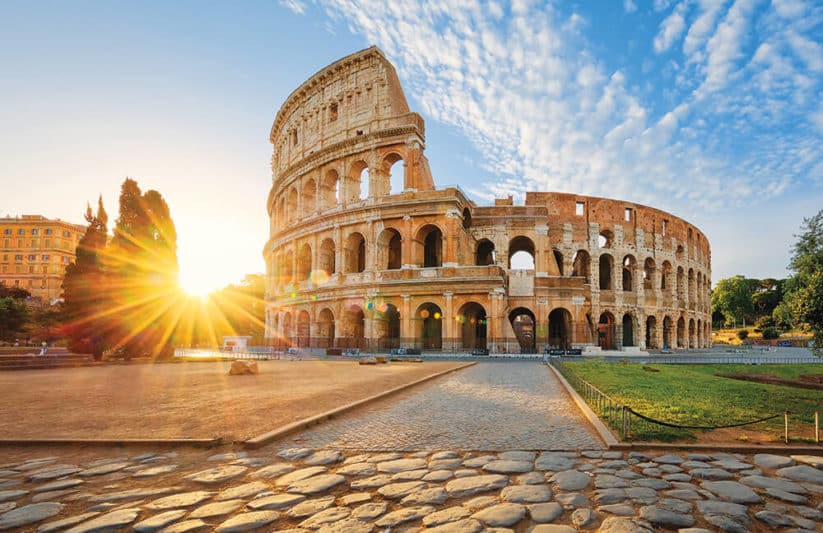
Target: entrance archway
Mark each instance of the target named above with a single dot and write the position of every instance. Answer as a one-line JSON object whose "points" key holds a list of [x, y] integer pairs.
{"points": [[560, 329], [606, 332], [429, 320], [523, 324], [472, 318]]}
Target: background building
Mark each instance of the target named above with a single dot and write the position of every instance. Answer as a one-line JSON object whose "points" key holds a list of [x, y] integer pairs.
{"points": [[365, 251], [34, 253]]}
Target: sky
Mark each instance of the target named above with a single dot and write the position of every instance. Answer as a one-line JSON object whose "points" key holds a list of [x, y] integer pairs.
{"points": [[709, 109]]}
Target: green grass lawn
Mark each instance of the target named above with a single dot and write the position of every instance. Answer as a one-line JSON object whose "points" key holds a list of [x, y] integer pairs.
{"points": [[693, 395]]}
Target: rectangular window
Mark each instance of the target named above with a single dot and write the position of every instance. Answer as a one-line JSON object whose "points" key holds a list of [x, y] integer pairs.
{"points": [[578, 208], [665, 226], [34, 231], [627, 214]]}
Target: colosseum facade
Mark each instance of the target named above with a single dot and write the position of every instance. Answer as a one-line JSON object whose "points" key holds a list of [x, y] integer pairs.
{"points": [[366, 252]]}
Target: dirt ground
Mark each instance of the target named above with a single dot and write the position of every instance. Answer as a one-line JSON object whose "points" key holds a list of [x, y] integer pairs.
{"points": [[187, 400]]}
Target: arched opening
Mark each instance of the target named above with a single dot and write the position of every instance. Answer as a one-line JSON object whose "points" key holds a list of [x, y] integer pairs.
{"points": [[355, 253], [357, 182], [521, 253], [667, 332], [431, 239], [606, 267], [288, 268], [651, 333], [523, 324], [389, 249], [325, 328], [387, 325], [292, 205], [485, 253], [681, 287], [607, 338], [326, 259], [472, 319], [303, 329], [467, 218], [582, 265], [560, 329], [329, 190], [429, 321], [628, 330], [692, 334], [309, 197], [681, 333], [287, 329], [558, 258], [648, 273], [395, 167], [605, 239], [354, 327], [304, 263], [629, 266]]}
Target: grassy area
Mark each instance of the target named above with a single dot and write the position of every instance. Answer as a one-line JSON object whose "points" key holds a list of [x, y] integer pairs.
{"points": [[693, 395]]}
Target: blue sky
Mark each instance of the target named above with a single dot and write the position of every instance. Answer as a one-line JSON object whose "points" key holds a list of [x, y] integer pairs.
{"points": [[710, 109]]}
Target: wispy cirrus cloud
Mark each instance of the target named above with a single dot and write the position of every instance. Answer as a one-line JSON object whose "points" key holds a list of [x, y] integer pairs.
{"points": [[525, 84]]}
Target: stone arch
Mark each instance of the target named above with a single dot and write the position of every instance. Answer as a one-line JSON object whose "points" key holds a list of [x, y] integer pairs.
{"points": [[629, 269], [648, 273], [326, 258], [628, 330], [387, 325], [651, 333], [325, 328], [560, 328], [304, 263], [354, 185], [668, 332], [303, 337], [354, 326], [607, 331], [524, 325], [606, 269], [429, 242], [429, 326], [681, 333], [355, 253], [395, 181], [582, 265], [692, 334], [309, 197], [472, 319], [558, 258], [330, 189], [484, 255], [525, 245], [389, 250]]}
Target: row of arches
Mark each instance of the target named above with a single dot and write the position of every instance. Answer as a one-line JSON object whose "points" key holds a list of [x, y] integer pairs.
{"points": [[329, 188]]}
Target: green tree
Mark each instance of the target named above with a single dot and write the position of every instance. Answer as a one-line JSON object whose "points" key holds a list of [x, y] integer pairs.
{"points": [[84, 288], [145, 298], [806, 300], [14, 315], [733, 297]]}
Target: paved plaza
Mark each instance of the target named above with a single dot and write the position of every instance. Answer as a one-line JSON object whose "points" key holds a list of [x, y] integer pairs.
{"points": [[490, 406]]}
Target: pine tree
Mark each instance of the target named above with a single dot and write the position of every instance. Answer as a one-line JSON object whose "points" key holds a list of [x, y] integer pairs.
{"points": [[84, 288]]}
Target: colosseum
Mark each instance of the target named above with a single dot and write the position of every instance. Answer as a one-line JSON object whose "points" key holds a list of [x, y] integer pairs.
{"points": [[366, 252]]}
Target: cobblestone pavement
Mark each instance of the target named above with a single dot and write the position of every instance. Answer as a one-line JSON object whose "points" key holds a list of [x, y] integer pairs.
{"points": [[434, 492], [489, 406]]}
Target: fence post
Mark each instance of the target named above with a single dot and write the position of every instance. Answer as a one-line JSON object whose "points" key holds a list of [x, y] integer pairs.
{"points": [[786, 426]]}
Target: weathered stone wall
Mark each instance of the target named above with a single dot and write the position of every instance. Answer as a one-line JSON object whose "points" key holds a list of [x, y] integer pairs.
{"points": [[352, 263]]}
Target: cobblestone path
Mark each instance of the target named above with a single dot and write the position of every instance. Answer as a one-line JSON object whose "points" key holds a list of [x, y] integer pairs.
{"points": [[490, 406]]}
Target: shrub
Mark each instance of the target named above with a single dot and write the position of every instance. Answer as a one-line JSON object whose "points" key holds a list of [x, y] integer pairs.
{"points": [[770, 333], [743, 334]]}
